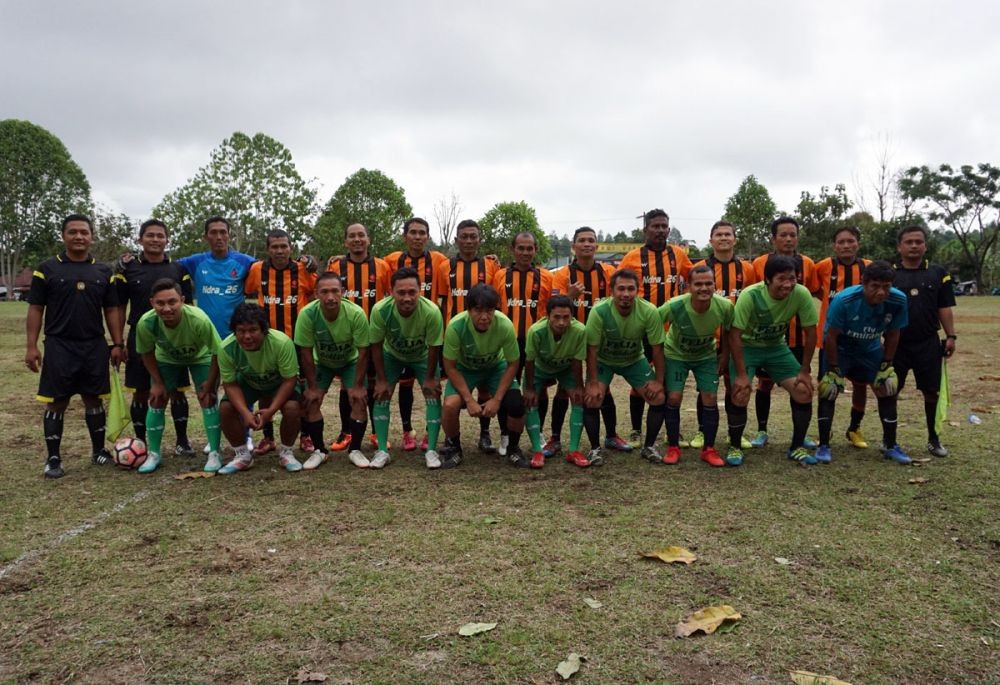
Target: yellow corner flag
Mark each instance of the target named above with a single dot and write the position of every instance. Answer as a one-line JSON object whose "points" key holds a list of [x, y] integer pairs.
{"points": [[944, 399], [118, 414]]}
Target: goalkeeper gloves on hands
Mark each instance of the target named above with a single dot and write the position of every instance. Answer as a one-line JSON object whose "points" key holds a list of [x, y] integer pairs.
{"points": [[886, 379], [831, 384]]}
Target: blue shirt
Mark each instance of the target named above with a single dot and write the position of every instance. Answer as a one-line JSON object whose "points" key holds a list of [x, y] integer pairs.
{"points": [[861, 325], [218, 284]]}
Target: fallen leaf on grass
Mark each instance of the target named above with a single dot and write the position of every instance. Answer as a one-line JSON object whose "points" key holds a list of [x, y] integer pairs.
{"points": [[919, 481], [475, 628], [981, 410], [592, 603], [570, 666], [706, 620], [672, 555], [306, 676], [988, 641], [783, 561], [989, 377], [491, 521], [954, 424], [190, 475], [808, 678]]}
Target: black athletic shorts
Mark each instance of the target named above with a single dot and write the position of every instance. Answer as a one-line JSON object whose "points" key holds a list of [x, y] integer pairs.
{"points": [[136, 376], [74, 367], [924, 359]]}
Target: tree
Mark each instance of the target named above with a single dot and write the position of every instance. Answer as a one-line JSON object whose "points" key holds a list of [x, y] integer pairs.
{"points": [[820, 217], [39, 185], [446, 211], [504, 221], [751, 210], [254, 184], [966, 200], [877, 191], [366, 197], [114, 234]]}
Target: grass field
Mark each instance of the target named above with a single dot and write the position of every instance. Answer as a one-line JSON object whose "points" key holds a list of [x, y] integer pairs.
{"points": [[365, 576]]}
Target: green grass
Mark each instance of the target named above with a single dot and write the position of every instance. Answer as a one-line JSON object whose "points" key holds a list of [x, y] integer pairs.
{"points": [[372, 573]]}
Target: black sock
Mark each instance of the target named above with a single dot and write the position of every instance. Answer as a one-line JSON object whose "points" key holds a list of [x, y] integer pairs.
{"points": [[502, 420], [96, 422], [762, 404], [371, 405], [138, 413], [358, 429], [824, 419], [700, 409], [314, 429], [736, 417], [179, 413], [887, 415], [406, 407], [515, 439], [52, 426], [710, 424], [345, 413], [560, 405], [930, 413], [610, 413], [543, 407], [729, 404], [636, 405], [484, 425], [592, 424], [857, 416], [801, 415], [654, 422], [673, 419], [268, 430]]}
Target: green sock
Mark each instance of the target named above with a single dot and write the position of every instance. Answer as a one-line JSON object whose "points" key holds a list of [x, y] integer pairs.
{"points": [[575, 427], [380, 417], [213, 430], [433, 422], [155, 418], [533, 425]]}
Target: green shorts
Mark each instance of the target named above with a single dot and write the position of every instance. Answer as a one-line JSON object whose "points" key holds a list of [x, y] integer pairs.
{"points": [[175, 376], [779, 362], [325, 375], [488, 379], [637, 374], [394, 369], [564, 379], [253, 395], [706, 374]]}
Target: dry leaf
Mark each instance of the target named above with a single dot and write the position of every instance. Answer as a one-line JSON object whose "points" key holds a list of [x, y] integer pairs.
{"points": [[783, 561], [808, 678], [989, 377], [706, 620], [194, 474], [672, 554], [475, 628], [592, 603], [919, 481], [981, 410], [306, 676], [954, 424], [921, 460], [570, 666]]}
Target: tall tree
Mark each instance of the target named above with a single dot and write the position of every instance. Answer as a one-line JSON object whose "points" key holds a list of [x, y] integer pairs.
{"points": [[446, 211], [252, 182], [504, 221], [877, 189], [966, 200], [820, 216], [751, 210], [114, 234], [39, 185], [366, 197]]}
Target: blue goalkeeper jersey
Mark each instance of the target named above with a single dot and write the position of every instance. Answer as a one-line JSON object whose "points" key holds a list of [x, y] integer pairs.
{"points": [[218, 284], [862, 325]]}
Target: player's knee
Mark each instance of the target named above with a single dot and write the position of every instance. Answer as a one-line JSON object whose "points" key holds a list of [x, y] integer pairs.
{"points": [[674, 399], [709, 399], [513, 404], [801, 395], [452, 403], [291, 410]]}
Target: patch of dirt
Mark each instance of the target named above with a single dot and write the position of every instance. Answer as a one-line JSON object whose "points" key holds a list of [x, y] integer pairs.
{"points": [[425, 660]]}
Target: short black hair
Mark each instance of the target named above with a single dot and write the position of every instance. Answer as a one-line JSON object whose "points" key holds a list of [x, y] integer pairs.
{"points": [[559, 301], [701, 269], [853, 230], [415, 220], [276, 233], [165, 284], [355, 223], [78, 217], [783, 220], [531, 235], [912, 229], [248, 312], [482, 296], [467, 223], [152, 222], [583, 229], [627, 274], [879, 270], [327, 275], [217, 220], [654, 214], [719, 224], [405, 272], [777, 264]]}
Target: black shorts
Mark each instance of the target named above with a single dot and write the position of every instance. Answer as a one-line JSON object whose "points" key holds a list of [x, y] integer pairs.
{"points": [[924, 359], [74, 367], [136, 375]]}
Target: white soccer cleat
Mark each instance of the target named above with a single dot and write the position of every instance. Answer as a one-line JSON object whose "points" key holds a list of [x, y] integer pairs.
{"points": [[432, 459], [357, 458], [286, 458], [315, 459], [214, 462], [380, 460]]}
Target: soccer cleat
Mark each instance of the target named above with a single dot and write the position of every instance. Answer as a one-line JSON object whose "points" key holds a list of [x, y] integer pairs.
{"points": [[486, 443], [682, 443], [380, 460], [449, 447], [315, 459], [306, 444], [651, 454], [537, 460], [823, 454], [614, 442], [857, 439], [409, 442], [672, 456], [711, 457], [504, 445], [453, 460], [698, 441], [214, 462], [935, 448], [595, 457], [635, 439], [265, 446], [288, 461], [185, 451], [577, 459], [236, 465], [151, 464], [103, 456], [432, 459], [759, 440], [517, 458], [802, 456], [897, 454], [734, 457], [342, 442], [809, 443], [744, 443], [53, 468], [358, 459], [552, 447], [425, 443]]}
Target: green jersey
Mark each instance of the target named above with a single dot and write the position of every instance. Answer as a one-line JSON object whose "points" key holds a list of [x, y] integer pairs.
{"points": [[473, 350], [764, 320], [262, 369], [334, 343], [407, 338], [691, 337], [553, 356], [192, 341], [619, 338]]}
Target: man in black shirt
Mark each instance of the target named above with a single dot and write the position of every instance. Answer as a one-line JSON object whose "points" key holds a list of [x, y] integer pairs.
{"points": [[930, 296], [71, 290], [134, 280]]}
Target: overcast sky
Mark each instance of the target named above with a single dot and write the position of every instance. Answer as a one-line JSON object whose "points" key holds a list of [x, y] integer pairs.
{"points": [[592, 112]]}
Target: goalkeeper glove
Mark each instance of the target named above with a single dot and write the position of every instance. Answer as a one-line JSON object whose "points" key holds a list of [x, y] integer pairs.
{"points": [[887, 379], [831, 384]]}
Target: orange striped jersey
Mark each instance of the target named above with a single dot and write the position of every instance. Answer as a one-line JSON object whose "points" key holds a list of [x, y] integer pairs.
{"points": [[834, 276], [661, 273], [426, 264], [453, 278], [730, 277], [596, 285], [365, 282], [523, 295], [281, 292], [805, 274]]}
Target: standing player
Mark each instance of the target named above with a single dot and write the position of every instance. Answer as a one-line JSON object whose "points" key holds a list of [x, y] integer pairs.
{"points": [[586, 281], [835, 274], [615, 332], [453, 279], [480, 351], [757, 340], [858, 319], [663, 269], [785, 239], [406, 331], [332, 336], [694, 319], [930, 298], [176, 340], [416, 233], [72, 291], [134, 280]]}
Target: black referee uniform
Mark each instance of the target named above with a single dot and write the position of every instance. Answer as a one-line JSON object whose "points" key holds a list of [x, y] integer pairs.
{"points": [[928, 289]]}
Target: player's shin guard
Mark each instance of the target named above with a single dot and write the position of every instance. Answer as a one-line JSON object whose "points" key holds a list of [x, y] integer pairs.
{"points": [[610, 413], [179, 411], [801, 415], [137, 411], [592, 422], [736, 417], [358, 429], [762, 405], [381, 421], [405, 407], [560, 405], [575, 427], [96, 425], [155, 420], [213, 427], [824, 419], [636, 405], [887, 415], [930, 414], [533, 426], [433, 422], [52, 426], [709, 423], [673, 420], [654, 422]]}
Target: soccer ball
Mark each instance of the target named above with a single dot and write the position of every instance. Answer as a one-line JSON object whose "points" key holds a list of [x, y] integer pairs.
{"points": [[130, 453]]}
